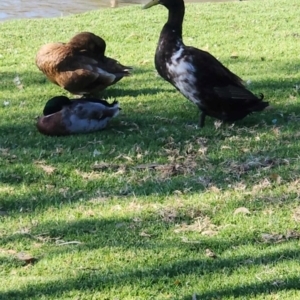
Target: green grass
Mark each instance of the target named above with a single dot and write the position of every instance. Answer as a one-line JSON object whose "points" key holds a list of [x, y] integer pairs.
{"points": [[123, 231]]}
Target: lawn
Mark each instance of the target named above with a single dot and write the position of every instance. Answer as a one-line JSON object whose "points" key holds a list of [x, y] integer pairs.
{"points": [[153, 207]]}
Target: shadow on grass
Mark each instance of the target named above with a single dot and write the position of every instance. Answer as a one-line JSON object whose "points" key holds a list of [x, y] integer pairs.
{"points": [[11, 79], [116, 92], [77, 155], [120, 233], [122, 135], [98, 279], [35, 79], [9, 262], [251, 290]]}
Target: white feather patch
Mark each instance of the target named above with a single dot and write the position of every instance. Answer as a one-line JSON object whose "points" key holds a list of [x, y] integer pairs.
{"points": [[109, 76], [182, 73]]}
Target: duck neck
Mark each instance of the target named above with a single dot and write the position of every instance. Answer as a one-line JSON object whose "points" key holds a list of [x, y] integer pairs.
{"points": [[175, 20]]}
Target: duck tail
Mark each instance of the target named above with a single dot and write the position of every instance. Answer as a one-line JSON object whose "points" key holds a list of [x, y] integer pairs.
{"points": [[115, 109], [127, 70], [261, 96], [260, 104]]}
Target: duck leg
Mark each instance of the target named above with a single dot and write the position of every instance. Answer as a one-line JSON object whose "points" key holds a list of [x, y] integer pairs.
{"points": [[202, 119]]}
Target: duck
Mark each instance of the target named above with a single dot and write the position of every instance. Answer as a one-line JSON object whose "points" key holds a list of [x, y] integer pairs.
{"points": [[198, 75], [64, 116], [80, 66]]}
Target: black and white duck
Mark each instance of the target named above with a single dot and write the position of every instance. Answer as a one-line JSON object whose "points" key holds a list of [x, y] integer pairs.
{"points": [[198, 75]]}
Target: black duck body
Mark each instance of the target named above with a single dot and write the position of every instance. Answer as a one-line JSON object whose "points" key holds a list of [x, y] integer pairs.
{"points": [[198, 75]]}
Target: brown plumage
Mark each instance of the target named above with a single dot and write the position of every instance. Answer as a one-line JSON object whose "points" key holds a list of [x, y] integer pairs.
{"points": [[80, 66]]}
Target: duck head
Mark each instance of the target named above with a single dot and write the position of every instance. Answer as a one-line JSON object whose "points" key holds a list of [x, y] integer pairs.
{"points": [[87, 41], [55, 104]]}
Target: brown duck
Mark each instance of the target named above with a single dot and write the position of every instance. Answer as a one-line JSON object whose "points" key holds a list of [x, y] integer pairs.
{"points": [[80, 66]]}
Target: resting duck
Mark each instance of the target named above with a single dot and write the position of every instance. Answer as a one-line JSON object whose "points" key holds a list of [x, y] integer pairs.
{"points": [[63, 116], [198, 75], [80, 65]]}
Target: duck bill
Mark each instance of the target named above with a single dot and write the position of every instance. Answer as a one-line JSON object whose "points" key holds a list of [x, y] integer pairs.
{"points": [[150, 4]]}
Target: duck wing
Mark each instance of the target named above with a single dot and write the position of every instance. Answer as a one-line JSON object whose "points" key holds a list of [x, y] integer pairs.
{"points": [[208, 70], [115, 67], [98, 111], [80, 74], [209, 84]]}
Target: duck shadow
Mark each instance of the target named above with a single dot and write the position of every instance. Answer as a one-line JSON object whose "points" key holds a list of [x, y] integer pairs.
{"points": [[116, 92], [81, 155], [9, 79]]}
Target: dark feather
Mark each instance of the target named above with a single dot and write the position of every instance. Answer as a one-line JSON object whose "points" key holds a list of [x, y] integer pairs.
{"points": [[198, 75]]}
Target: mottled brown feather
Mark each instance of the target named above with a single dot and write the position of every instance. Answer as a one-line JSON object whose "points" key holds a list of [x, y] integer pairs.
{"points": [[80, 65]]}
